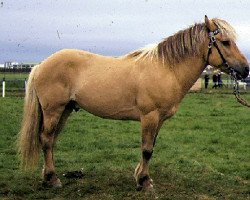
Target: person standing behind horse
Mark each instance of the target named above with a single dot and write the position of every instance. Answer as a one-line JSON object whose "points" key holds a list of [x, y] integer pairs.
{"points": [[220, 83], [206, 77], [215, 81]]}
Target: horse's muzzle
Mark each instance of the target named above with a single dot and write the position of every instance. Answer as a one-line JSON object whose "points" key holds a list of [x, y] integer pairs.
{"points": [[242, 71]]}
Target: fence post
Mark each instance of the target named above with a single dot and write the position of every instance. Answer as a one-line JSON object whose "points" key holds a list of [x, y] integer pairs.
{"points": [[25, 84], [3, 88]]}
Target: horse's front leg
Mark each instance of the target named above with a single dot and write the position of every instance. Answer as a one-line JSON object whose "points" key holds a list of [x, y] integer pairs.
{"points": [[150, 125]]}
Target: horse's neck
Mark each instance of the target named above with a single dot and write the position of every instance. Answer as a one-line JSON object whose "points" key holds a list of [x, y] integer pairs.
{"points": [[188, 71]]}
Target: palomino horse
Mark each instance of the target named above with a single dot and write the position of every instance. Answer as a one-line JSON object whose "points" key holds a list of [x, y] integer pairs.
{"points": [[146, 85]]}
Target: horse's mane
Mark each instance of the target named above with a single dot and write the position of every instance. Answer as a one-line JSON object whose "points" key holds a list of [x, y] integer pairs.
{"points": [[184, 43]]}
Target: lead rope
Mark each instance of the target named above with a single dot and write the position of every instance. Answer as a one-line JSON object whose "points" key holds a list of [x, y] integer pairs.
{"points": [[236, 91]]}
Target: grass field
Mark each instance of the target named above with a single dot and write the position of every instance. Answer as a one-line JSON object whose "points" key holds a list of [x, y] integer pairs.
{"points": [[203, 153], [12, 75]]}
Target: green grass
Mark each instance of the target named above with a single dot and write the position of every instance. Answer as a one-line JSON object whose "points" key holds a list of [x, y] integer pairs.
{"points": [[203, 152], [13, 75]]}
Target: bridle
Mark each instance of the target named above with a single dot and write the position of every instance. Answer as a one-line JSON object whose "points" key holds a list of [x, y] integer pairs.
{"points": [[212, 42], [232, 72]]}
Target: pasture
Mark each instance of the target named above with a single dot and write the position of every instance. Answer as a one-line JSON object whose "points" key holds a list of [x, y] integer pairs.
{"points": [[201, 153]]}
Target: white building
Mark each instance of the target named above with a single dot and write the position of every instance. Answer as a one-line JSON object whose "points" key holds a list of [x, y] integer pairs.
{"points": [[16, 65]]}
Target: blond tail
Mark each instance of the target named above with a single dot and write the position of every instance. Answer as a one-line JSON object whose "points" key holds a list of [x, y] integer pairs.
{"points": [[28, 142]]}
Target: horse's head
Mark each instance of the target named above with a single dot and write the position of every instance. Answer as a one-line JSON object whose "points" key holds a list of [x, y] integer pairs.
{"points": [[222, 51]]}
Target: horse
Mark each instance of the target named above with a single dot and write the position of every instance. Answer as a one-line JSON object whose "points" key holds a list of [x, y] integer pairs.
{"points": [[146, 85]]}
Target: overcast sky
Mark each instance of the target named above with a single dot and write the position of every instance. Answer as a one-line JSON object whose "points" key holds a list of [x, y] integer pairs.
{"points": [[31, 30]]}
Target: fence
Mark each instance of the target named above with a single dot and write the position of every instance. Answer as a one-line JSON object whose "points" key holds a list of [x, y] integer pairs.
{"points": [[225, 85], [13, 87], [15, 70]]}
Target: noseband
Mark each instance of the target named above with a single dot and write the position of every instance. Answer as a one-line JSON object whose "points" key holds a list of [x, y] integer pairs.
{"points": [[212, 42]]}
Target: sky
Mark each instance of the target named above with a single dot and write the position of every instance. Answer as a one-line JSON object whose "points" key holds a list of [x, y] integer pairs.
{"points": [[31, 30]]}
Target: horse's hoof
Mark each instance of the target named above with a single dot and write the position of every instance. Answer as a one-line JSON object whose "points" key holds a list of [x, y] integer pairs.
{"points": [[149, 188], [139, 187], [57, 184], [52, 183], [147, 185]]}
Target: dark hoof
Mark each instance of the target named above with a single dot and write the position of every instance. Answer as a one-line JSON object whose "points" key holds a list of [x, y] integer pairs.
{"points": [[51, 180], [145, 184], [55, 184], [139, 188]]}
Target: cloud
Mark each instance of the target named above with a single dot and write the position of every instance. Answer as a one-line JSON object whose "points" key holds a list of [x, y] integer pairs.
{"points": [[243, 31], [110, 27]]}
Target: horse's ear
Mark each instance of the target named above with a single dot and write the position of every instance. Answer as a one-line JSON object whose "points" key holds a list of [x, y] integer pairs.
{"points": [[208, 23]]}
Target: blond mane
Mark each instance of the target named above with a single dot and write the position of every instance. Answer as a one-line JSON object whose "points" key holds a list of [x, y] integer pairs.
{"points": [[175, 48]]}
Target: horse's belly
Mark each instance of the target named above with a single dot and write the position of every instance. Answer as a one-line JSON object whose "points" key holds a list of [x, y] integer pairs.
{"points": [[109, 106], [109, 112]]}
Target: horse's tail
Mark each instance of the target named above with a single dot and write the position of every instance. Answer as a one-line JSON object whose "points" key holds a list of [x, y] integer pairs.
{"points": [[28, 142]]}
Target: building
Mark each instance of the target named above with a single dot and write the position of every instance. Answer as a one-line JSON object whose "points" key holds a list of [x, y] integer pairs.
{"points": [[16, 65]]}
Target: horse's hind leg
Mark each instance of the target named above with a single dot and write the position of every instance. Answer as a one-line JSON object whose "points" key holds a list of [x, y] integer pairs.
{"points": [[66, 113], [150, 125], [51, 118]]}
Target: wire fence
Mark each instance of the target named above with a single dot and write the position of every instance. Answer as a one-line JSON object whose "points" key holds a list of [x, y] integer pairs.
{"points": [[13, 82], [13, 87]]}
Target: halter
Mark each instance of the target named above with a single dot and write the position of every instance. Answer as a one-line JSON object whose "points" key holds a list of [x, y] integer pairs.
{"points": [[212, 42], [232, 72]]}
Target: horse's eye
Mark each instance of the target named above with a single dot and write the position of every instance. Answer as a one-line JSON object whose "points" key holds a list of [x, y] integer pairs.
{"points": [[226, 43]]}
